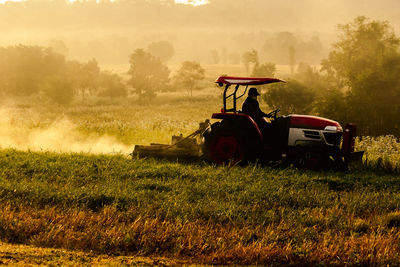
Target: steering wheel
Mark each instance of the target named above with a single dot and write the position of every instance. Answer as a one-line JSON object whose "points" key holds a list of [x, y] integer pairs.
{"points": [[273, 114]]}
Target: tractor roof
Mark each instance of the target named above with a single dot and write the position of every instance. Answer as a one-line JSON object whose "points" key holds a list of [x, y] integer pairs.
{"points": [[245, 80]]}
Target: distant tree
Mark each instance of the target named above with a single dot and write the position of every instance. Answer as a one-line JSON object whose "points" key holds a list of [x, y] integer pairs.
{"points": [[365, 64], [147, 73], [313, 78], [89, 74], [286, 39], [292, 58], [224, 56], [58, 46], [248, 58], [264, 70], [24, 68], [28, 70], [164, 50], [189, 74], [234, 58], [277, 47], [59, 90], [333, 105], [111, 85], [291, 97], [215, 56], [312, 50]]}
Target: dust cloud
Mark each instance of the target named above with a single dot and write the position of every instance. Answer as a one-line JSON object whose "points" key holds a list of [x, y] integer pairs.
{"points": [[60, 136]]}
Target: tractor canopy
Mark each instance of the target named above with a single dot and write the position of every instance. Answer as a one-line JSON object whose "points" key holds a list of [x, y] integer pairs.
{"points": [[228, 80]]}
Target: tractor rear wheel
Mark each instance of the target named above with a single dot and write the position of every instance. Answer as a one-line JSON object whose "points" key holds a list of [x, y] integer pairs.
{"points": [[226, 145], [227, 148]]}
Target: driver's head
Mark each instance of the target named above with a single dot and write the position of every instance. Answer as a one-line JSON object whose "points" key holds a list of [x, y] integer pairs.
{"points": [[253, 92]]}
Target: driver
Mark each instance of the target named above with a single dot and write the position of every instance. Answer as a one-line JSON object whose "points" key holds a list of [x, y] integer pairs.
{"points": [[251, 106]]}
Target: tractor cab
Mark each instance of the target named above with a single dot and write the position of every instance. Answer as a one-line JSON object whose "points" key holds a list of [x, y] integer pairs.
{"points": [[237, 136], [230, 111], [232, 92], [227, 82]]}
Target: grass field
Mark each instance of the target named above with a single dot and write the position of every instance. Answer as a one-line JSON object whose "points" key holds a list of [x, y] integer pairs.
{"points": [[23, 255], [101, 201], [242, 215]]}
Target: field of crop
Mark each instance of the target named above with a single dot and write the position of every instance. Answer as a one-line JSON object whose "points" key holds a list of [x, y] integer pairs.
{"points": [[103, 202]]}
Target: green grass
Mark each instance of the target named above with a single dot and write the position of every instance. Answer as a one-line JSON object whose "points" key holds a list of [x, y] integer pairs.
{"points": [[110, 203], [188, 191], [253, 207]]}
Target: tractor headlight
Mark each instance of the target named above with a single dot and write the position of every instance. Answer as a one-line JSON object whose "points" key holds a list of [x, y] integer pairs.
{"points": [[333, 128]]}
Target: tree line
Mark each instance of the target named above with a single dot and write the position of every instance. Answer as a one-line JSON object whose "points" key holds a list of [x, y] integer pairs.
{"points": [[29, 70], [358, 81], [35, 70]]}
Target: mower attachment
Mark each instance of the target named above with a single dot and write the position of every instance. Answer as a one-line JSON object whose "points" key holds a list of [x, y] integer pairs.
{"points": [[180, 148]]}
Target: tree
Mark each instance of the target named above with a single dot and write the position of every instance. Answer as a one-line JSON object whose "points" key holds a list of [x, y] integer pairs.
{"points": [[59, 90], [215, 56], [249, 57], [111, 85], [333, 105], [164, 50], [264, 70], [147, 73], [189, 74], [23, 69], [365, 64], [234, 58], [290, 97], [59, 47], [89, 77], [224, 56], [313, 78], [277, 47], [292, 58]]}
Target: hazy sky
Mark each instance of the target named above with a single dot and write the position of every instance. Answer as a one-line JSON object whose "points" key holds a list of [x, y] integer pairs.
{"points": [[193, 25]]}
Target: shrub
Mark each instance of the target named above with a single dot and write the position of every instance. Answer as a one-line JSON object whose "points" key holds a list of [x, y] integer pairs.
{"points": [[59, 91]]}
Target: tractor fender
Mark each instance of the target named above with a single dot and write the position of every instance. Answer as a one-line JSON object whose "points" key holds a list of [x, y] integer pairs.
{"points": [[242, 120]]}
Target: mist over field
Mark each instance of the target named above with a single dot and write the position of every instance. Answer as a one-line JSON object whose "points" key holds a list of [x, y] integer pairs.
{"points": [[59, 136], [110, 31]]}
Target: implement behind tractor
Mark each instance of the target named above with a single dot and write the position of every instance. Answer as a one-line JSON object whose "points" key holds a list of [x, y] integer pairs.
{"points": [[188, 147], [302, 140]]}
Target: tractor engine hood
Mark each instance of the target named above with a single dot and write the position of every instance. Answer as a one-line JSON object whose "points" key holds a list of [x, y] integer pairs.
{"points": [[314, 122]]}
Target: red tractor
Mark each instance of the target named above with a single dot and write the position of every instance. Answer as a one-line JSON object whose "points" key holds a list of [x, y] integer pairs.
{"points": [[302, 140]]}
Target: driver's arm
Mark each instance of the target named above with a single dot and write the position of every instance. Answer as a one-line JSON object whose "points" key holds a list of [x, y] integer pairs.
{"points": [[260, 112]]}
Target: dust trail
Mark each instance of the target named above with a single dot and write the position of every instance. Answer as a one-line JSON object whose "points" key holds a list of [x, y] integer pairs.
{"points": [[60, 136]]}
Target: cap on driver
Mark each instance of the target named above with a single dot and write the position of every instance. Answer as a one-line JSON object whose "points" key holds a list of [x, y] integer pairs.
{"points": [[253, 91]]}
